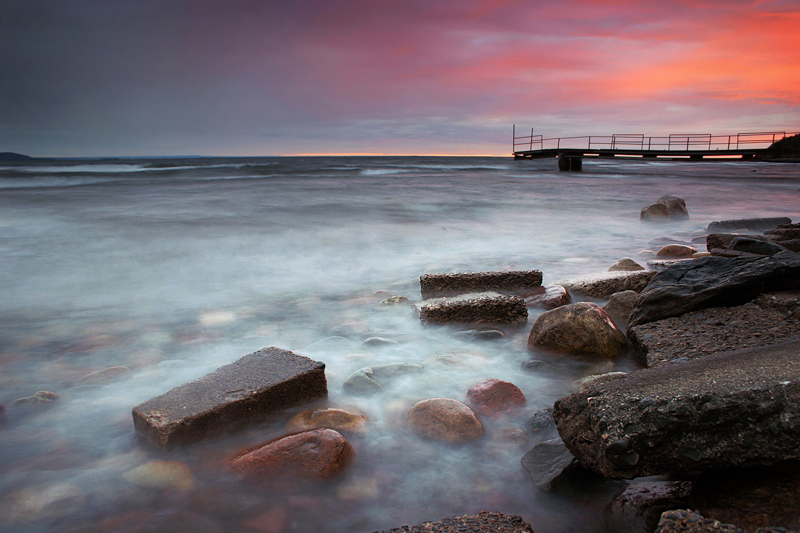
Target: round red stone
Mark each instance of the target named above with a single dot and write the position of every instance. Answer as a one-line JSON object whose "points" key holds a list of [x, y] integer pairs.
{"points": [[495, 396]]}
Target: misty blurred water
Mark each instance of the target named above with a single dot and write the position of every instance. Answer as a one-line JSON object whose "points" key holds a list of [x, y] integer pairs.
{"points": [[173, 268]]}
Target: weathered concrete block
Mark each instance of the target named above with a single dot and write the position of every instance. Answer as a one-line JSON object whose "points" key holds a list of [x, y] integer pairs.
{"points": [[233, 396], [728, 409], [485, 307], [605, 284], [515, 282]]}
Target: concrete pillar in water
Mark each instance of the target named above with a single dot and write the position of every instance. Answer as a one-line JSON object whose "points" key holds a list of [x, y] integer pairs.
{"points": [[570, 163]]}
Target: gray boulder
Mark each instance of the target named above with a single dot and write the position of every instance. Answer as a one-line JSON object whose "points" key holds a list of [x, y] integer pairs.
{"points": [[729, 409], [713, 281]]}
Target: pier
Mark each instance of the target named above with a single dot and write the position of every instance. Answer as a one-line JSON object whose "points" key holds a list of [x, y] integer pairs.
{"points": [[570, 151]]}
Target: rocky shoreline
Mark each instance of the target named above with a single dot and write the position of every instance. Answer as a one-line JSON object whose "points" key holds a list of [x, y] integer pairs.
{"points": [[713, 412]]}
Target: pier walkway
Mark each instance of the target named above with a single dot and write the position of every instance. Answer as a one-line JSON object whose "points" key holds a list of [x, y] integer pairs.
{"points": [[692, 147]]}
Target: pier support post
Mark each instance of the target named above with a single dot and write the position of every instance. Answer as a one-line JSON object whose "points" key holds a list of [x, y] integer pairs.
{"points": [[570, 163]]}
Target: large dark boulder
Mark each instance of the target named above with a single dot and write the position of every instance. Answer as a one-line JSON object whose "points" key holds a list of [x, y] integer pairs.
{"points": [[713, 282], [730, 409]]}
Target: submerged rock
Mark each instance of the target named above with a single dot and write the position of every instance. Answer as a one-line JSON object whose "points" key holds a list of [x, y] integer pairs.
{"points": [[620, 305], [338, 419], [495, 396], [714, 281], [582, 328], [547, 297], [40, 399], [107, 375], [162, 475], [42, 502], [729, 409], [548, 461], [371, 379], [314, 454], [445, 420]]}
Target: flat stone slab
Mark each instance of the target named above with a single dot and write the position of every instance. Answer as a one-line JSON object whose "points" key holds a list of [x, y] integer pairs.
{"points": [[728, 409], [514, 282], [482, 522], [484, 307], [235, 395], [709, 331], [752, 224], [605, 284]]}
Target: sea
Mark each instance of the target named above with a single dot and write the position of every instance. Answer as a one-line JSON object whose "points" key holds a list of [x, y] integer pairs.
{"points": [[173, 267]]}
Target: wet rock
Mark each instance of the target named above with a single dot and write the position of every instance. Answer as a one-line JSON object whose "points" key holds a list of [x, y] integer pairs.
{"points": [[394, 301], [541, 426], [713, 330], [40, 399], [751, 498], [751, 224], [787, 235], [44, 502], [483, 521], [515, 436], [550, 465], [547, 297], [378, 341], [162, 475], [371, 379], [338, 419], [713, 282], [488, 308], [445, 420], [720, 241], [676, 250], [688, 521], [755, 246], [513, 282], [182, 520], [359, 489], [654, 212], [620, 305], [729, 409], [582, 328], [107, 375], [314, 454], [606, 284], [480, 334], [626, 264], [238, 394], [495, 396], [637, 508]]}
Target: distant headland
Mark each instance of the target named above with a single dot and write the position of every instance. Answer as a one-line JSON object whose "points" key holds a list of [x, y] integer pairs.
{"points": [[11, 156]]}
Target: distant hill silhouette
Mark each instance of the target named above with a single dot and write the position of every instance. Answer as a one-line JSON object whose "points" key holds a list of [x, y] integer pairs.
{"points": [[11, 156], [786, 148]]}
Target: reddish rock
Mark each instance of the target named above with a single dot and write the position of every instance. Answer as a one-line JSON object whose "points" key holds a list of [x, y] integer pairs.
{"points": [[444, 419], [314, 454], [654, 212], [581, 327], [338, 419], [676, 250], [495, 396], [107, 375]]}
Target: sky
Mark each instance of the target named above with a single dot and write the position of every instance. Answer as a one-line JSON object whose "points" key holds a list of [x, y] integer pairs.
{"points": [[288, 77]]}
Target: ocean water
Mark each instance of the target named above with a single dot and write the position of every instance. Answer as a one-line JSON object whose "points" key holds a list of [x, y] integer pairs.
{"points": [[174, 267]]}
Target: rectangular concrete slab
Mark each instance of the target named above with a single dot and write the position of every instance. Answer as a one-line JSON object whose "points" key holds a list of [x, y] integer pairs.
{"points": [[514, 282], [235, 395], [488, 307]]}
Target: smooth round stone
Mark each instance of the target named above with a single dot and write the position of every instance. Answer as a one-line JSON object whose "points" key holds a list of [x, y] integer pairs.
{"points": [[676, 250], [338, 419], [581, 328], [445, 420], [47, 502], [495, 396], [395, 301], [161, 475], [314, 454]]}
